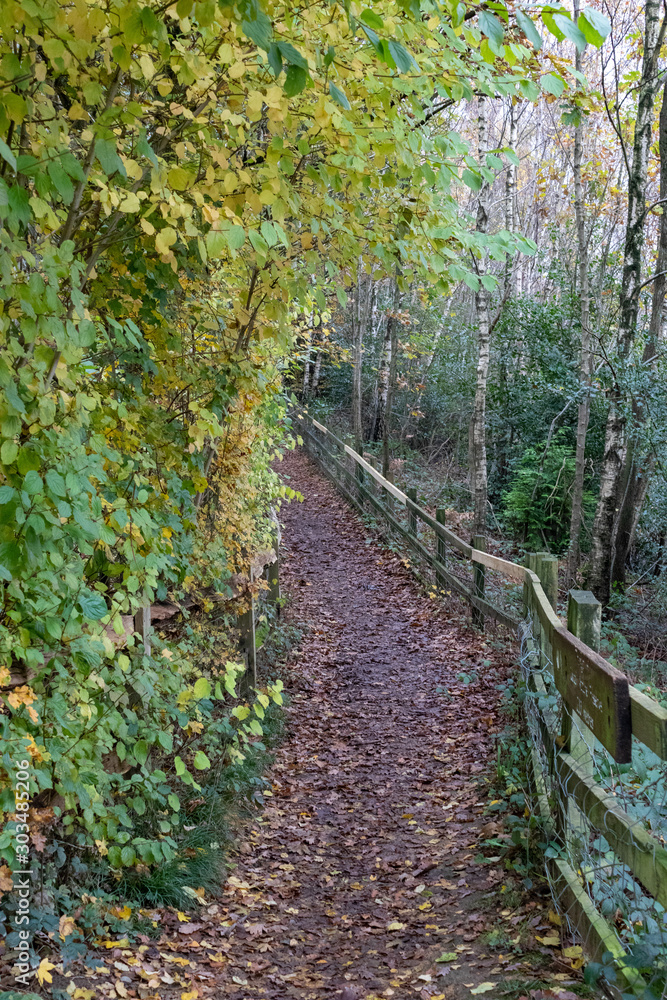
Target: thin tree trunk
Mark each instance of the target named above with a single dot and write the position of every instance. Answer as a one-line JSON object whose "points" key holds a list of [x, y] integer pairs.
{"points": [[359, 317], [584, 410], [383, 377], [639, 465], [391, 378], [480, 484], [316, 373], [510, 207], [615, 447]]}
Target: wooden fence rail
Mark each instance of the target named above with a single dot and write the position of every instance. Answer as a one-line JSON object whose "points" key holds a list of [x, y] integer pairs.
{"points": [[595, 694]]}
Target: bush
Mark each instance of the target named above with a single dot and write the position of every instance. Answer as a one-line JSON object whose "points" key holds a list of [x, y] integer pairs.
{"points": [[538, 504]]}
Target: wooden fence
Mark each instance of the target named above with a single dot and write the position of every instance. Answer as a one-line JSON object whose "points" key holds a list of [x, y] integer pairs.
{"points": [[600, 712]]}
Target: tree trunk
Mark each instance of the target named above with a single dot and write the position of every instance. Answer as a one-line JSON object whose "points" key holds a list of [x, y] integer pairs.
{"points": [[639, 465], [480, 486], [583, 413], [315, 381], [392, 331], [360, 308], [615, 450], [305, 387], [383, 378], [510, 207]]}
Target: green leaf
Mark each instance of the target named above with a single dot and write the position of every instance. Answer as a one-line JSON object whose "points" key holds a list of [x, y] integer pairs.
{"points": [[259, 29], [236, 237], [8, 452], [33, 483], [590, 33], [7, 155], [552, 84], [527, 25], [295, 80], [174, 802], [598, 22], [338, 96], [92, 605], [141, 751], [401, 56], [127, 856], [110, 161], [201, 761], [571, 31], [529, 90], [269, 233], [473, 181], [180, 766], [6, 494], [202, 688], [372, 19], [492, 28], [56, 483], [291, 55], [216, 244]]}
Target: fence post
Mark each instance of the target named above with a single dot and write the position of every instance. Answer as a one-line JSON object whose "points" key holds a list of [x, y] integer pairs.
{"points": [[440, 548], [479, 578], [411, 494], [359, 474], [142, 625], [547, 570], [272, 572], [584, 619], [247, 648]]}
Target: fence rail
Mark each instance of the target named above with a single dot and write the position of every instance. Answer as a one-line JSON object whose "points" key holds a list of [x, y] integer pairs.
{"points": [[594, 736]]}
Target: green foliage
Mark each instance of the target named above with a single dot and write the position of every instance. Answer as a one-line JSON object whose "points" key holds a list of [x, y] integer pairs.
{"points": [[537, 505]]}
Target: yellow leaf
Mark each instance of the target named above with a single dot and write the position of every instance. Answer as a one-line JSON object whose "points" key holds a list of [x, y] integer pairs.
{"points": [[483, 988], [82, 994], [183, 917], [395, 925], [554, 918], [236, 71], [165, 239], [190, 996], [66, 926], [573, 952], [179, 179], [43, 972], [550, 940]]}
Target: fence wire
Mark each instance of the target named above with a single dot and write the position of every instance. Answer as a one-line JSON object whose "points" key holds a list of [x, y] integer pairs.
{"points": [[591, 847]]}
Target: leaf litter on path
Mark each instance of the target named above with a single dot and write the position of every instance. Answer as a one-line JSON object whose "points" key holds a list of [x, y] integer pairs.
{"points": [[361, 876]]}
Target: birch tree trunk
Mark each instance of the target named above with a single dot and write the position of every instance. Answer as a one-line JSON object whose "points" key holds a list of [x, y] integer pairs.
{"points": [[615, 446], [639, 464], [383, 379], [360, 308], [510, 207], [392, 333], [316, 373], [480, 484], [584, 410]]}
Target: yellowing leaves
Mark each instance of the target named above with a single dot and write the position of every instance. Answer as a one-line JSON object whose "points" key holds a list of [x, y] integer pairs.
{"points": [[44, 971], [165, 239]]}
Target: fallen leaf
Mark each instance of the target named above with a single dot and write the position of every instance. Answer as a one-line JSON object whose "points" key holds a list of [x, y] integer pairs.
{"points": [[483, 988]]}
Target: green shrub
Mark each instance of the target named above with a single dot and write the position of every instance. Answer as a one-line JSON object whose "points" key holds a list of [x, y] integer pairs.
{"points": [[538, 504]]}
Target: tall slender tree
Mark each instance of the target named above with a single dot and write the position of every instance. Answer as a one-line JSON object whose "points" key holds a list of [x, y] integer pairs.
{"points": [[479, 471], [585, 357], [603, 548]]}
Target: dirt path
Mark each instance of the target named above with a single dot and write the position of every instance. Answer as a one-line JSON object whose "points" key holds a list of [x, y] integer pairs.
{"points": [[360, 872]]}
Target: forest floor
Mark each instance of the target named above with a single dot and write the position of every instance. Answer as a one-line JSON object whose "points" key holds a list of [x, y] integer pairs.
{"points": [[374, 869]]}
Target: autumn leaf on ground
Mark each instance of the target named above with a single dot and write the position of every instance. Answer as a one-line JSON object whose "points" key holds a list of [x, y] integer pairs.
{"points": [[483, 988], [44, 973]]}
